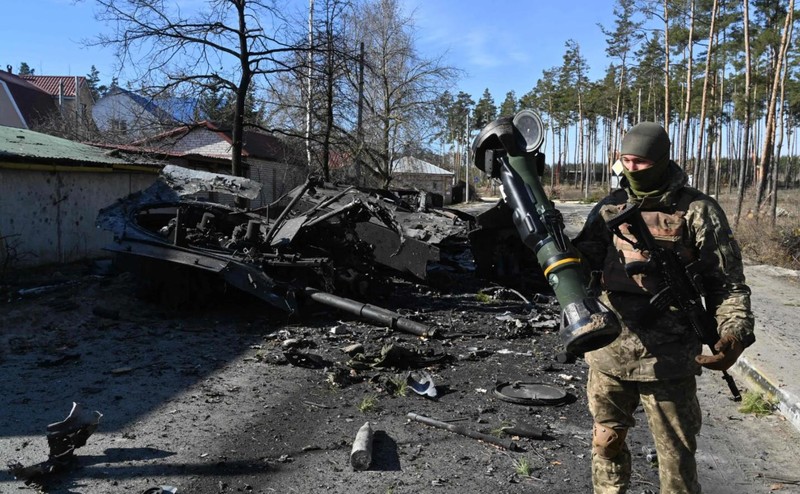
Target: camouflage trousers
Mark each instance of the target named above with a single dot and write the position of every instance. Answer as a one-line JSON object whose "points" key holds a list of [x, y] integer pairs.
{"points": [[674, 418]]}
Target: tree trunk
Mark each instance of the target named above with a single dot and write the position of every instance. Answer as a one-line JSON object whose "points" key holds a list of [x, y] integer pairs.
{"points": [[747, 115], [788, 30], [666, 66], [704, 99], [329, 82], [582, 163], [688, 102], [770, 126], [719, 126], [617, 136], [310, 69]]}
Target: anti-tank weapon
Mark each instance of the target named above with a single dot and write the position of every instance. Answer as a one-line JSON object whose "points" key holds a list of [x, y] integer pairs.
{"points": [[682, 286], [508, 149]]}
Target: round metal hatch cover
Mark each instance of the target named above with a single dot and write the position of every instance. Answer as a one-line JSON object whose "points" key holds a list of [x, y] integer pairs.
{"points": [[529, 393]]}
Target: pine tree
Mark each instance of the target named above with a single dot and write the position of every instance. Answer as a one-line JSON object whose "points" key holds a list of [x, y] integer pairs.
{"points": [[485, 111], [93, 81], [24, 69], [509, 105]]}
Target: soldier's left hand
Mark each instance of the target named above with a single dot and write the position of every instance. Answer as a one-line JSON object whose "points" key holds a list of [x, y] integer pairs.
{"points": [[729, 349]]}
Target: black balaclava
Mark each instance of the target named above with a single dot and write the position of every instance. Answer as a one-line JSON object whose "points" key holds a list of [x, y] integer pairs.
{"points": [[647, 140]]}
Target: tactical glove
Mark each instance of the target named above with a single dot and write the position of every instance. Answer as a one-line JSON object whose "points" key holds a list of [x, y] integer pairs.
{"points": [[728, 350]]}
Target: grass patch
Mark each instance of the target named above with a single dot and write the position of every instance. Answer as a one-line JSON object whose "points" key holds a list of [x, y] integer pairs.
{"points": [[500, 429], [762, 242], [484, 298], [368, 404], [756, 404], [523, 467], [397, 386]]}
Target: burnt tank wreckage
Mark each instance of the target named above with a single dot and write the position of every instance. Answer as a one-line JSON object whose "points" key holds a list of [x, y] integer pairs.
{"points": [[321, 242]]}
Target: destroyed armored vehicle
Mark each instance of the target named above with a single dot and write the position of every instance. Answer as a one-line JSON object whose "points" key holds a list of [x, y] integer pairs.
{"points": [[317, 239]]}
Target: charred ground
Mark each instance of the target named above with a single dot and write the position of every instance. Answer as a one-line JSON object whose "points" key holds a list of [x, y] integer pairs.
{"points": [[237, 397]]}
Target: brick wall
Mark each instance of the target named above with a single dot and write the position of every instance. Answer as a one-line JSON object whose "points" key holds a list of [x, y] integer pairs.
{"points": [[204, 142]]}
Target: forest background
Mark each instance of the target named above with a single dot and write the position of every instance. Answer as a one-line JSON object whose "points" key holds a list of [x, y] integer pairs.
{"points": [[349, 84]]}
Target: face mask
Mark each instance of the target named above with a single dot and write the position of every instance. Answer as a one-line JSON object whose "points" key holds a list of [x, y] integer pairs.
{"points": [[650, 181]]}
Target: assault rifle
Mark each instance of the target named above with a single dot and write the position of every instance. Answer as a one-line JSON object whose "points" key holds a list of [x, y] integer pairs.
{"points": [[683, 286]]}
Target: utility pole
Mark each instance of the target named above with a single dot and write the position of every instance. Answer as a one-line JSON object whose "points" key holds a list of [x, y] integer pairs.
{"points": [[466, 161], [359, 121], [310, 61]]}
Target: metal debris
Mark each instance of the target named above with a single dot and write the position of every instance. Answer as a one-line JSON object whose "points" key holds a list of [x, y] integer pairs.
{"points": [[502, 443], [524, 430], [530, 393], [361, 453], [63, 438], [162, 489]]}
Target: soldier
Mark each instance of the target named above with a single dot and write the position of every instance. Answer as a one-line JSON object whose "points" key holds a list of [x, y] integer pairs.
{"points": [[655, 359]]}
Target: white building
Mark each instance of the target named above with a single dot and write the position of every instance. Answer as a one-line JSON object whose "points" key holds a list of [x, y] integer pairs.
{"points": [[421, 175]]}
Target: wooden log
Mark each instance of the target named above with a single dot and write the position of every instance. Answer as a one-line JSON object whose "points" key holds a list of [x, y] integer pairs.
{"points": [[361, 454]]}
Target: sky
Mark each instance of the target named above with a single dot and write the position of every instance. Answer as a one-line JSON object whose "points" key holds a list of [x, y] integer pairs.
{"points": [[500, 45]]}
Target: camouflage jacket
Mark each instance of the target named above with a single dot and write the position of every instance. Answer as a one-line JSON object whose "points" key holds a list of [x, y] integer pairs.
{"points": [[657, 345]]}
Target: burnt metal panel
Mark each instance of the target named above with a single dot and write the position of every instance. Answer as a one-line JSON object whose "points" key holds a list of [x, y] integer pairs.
{"points": [[406, 255]]}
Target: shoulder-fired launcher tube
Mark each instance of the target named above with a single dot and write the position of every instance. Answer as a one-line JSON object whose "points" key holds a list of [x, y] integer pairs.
{"points": [[508, 150]]}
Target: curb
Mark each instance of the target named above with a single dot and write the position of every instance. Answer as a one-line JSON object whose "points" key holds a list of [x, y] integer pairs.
{"points": [[788, 403]]}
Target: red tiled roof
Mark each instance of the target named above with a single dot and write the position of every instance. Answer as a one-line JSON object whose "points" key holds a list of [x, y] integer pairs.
{"points": [[52, 83]]}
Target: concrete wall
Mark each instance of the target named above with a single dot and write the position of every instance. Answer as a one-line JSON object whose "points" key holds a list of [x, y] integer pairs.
{"points": [[49, 217]]}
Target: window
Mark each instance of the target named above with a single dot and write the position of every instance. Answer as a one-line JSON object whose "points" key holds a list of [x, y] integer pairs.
{"points": [[118, 125], [435, 186]]}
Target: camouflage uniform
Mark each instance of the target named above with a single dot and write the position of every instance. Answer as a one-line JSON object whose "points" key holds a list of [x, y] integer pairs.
{"points": [[652, 361]]}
